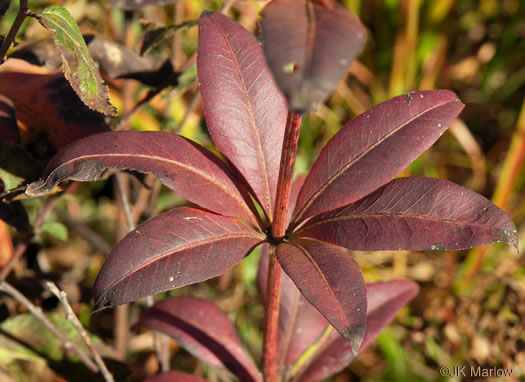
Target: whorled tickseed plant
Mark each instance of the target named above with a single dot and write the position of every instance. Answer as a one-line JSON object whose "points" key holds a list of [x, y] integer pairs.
{"points": [[347, 200]]}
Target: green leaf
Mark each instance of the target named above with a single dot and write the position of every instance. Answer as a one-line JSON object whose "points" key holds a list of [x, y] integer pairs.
{"points": [[78, 66], [55, 229]]}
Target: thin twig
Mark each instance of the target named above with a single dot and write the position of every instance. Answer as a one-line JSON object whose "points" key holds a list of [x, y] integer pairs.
{"points": [[39, 314], [10, 38], [71, 317], [93, 238]]}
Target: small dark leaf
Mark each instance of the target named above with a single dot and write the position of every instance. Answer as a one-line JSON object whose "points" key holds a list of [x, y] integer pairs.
{"points": [[374, 147], [189, 169], [245, 112], [384, 301], [136, 4], [414, 213], [309, 47], [154, 37], [177, 248], [15, 215], [78, 66], [174, 376], [331, 281], [204, 330]]}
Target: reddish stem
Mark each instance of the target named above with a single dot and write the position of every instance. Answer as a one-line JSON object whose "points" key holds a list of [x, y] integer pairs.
{"points": [[284, 185]]}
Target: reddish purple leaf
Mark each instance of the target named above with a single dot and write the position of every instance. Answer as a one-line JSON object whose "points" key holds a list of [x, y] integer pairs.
{"points": [[204, 330], [331, 281], [300, 324], [245, 112], [384, 301], [414, 213], [189, 169], [179, 247], [374, 147], [309, 46], [174, 376]]}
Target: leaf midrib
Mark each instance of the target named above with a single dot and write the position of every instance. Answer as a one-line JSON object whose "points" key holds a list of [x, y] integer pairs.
{"points": [[159, 159], [181, 249], [260, 156], [340, 309], [334, 178]]}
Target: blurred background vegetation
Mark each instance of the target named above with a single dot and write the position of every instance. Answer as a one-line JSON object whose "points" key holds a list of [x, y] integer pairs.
{"points": [[471, 308]]}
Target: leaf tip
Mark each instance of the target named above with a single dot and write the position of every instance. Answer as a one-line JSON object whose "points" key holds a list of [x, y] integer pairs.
{"points": [[355, 335], [510, 237]]}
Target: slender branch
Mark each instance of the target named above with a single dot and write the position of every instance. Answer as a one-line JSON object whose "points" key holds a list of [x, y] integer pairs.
{"points": [[39, 314], [282, 200], [271, 318], [10, 38], [71, 317]]}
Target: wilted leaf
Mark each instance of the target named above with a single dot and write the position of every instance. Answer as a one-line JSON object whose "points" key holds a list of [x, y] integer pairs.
{"points": [[78, 66], [189, 169], [179, 247], [204, 330], [309, 46], [245, 112], [331, 281], [173, 376], [152, 38], [119, 62], [373, 148], [35, 334], [50, 114], [414, 213], [384, 301]]}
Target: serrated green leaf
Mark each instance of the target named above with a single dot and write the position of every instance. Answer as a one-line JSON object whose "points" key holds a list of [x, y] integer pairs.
{"points": [[77, 64], [55, 229]]}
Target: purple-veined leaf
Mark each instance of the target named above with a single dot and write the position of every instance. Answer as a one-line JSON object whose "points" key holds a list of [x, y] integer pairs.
{"points": [[384, 301], [204, 330], [300, 324], [309, 46], [179, 247], [373, 148], [415, 213], [184, 166], [331, 281], [174, 376], [245, 112]]}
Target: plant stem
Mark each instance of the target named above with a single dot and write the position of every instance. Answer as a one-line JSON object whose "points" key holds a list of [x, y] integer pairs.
{"points": [[72, 317], [284, 185], [20, 17]]}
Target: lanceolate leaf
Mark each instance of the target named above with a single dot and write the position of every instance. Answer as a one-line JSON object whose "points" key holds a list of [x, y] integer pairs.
{"points": [[78, 66], [182, 165], [374, 147], [205, 331], [309, 46], [415, 213], [331, 281], [384, 301], [245, 112], [300, 324], [179, 247]]}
